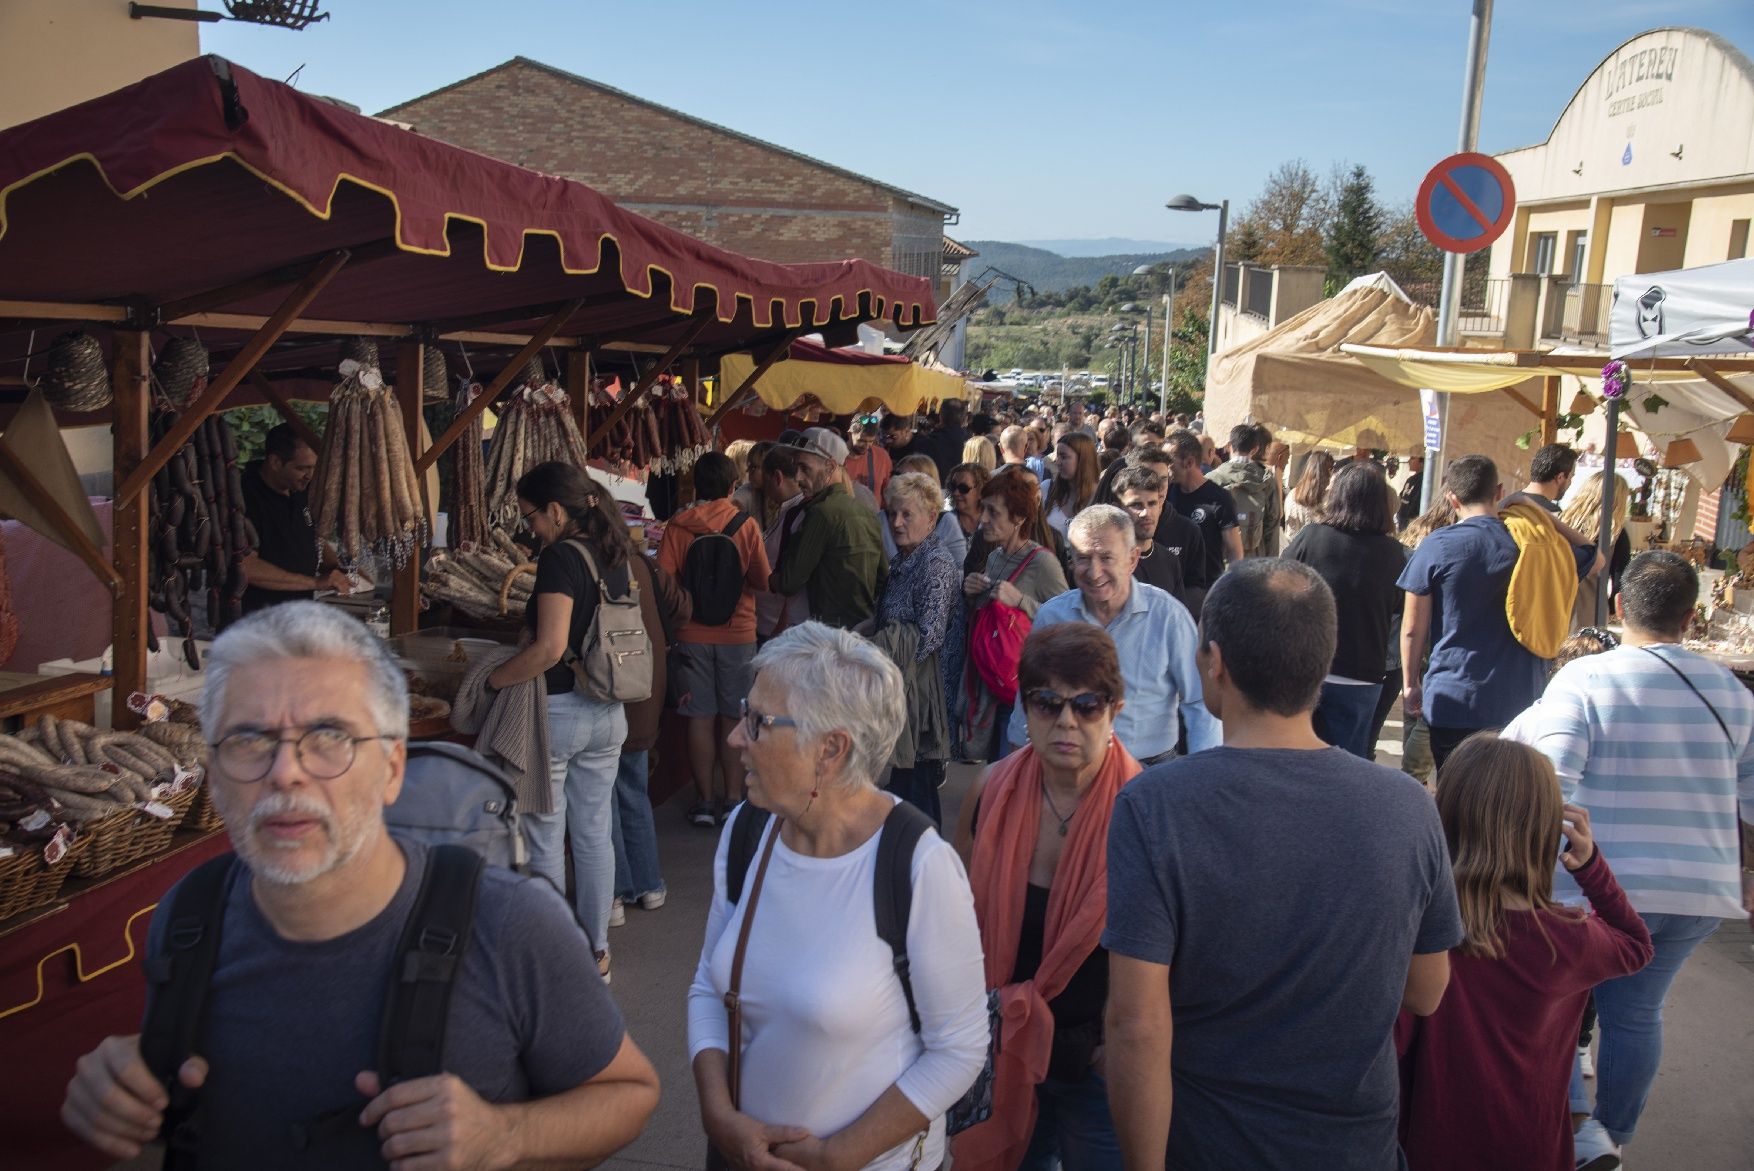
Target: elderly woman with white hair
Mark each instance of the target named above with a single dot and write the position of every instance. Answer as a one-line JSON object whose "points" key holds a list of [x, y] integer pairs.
{"points": [[807, 1045], [918, 617]]}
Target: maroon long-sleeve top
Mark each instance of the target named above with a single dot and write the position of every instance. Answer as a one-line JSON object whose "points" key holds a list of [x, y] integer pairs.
{"points": [[1485, 1079]]}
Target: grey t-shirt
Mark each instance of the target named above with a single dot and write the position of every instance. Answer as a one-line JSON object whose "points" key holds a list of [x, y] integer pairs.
{"points": [[1286, 890], [291, 1023]]}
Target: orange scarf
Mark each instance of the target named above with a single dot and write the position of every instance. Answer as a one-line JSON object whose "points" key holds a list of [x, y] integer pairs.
{"points": [[1010, 819]]}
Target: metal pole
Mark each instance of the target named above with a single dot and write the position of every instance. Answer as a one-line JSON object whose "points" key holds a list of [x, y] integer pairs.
{"points": [[1473, 88], [1611, 485], [1168, 326], [1217, 284], [1145, 358]]}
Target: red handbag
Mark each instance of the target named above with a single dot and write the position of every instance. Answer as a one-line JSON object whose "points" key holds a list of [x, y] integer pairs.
{"points": [[995, 646]]}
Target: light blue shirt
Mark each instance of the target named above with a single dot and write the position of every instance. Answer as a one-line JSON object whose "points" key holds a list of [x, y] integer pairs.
{"points": [[1156, 638]]}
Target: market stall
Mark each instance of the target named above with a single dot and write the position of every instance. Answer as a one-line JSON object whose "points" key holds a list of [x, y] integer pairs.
{"points": [[1300, 379]]}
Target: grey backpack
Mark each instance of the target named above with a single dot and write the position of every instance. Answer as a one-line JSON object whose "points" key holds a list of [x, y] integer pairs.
{"points": [[454, 794], [614, 660]]}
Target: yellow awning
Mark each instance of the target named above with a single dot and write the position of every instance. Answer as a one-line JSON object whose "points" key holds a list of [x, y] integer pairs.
{"points": [[844, 387], [1462, 372]]}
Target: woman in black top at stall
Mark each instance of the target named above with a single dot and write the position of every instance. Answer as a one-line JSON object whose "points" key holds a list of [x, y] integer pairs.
{"points": [[560, 505], [1353, 548]]}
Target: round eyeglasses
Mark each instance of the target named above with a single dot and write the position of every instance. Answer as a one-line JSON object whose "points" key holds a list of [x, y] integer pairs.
{"points": [[324, 752]]}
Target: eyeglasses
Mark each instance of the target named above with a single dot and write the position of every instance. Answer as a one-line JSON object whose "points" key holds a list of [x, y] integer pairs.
{"points": [[525, 516], [754, 721], [1086, 705], [324, 752], [961, 488]]}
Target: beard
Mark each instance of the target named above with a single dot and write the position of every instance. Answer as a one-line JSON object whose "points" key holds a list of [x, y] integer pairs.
{"points": [[344, 833]]}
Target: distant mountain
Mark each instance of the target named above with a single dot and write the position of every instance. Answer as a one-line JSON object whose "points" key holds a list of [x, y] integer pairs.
{"points": [[1106, 246], [1052, 272]]}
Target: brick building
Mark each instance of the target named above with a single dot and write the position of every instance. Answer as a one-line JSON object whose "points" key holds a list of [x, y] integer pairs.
{"points": [[726, 188]]}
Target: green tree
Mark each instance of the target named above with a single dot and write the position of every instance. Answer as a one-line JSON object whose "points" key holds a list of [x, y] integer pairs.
{"points": [[1353, 239], [1406, 255]]}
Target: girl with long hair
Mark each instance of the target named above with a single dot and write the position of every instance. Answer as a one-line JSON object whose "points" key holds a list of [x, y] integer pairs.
{"points": [[1584, 514], [1304, 505], [1485, 1078], [581, 545], [1073, 488]]}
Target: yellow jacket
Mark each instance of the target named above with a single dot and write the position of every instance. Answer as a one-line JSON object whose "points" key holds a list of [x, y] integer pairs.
{"points": [[1543, 586]]}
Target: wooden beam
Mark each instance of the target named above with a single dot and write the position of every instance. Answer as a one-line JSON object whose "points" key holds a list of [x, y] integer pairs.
{"points": [[650, 378], [762, 365], [1518, 397], [128, 521], [242, 362], [578, 388], [632, 347], [410, 394], [513, 369], [477, 337], [283, 405], [255, 321], [1549, 409], [269, 281], [64, 525], [63, 311], [518, 313], [1711, 374]]}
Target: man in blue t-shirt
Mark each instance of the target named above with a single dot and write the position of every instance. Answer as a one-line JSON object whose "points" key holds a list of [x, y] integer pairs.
{"points": [[1274, 904], [1457, 583]]}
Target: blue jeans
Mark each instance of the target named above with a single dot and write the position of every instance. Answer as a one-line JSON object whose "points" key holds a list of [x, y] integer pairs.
{"points": [[1344, 715], [584, 744], [1073, 1128], [636, 838], [1629, 1018]]}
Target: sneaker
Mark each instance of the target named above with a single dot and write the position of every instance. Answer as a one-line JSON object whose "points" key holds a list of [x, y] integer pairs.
{"points": [[1594, 1149], [603, 965], [703, 814], [653, 899], [722, 810], [1585, 1063], [618, 914]]}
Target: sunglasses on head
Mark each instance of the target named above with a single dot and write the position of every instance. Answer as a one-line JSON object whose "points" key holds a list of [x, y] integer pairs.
{"points": [[1086, 705]]}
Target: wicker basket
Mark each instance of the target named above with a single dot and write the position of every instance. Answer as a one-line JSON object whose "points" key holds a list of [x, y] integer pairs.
{"points": [[362, 350], [436, 378], [127, 836], [203, 814], [76, 375], [27, 882], [181, 370]]}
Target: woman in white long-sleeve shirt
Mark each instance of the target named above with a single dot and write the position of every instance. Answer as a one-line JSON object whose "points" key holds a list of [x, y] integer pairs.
{"points": [[833, 1074]]}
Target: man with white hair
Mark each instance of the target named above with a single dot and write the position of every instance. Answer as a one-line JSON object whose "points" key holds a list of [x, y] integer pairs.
{"points": [[307, 718], [1013, 446], [1154, 633]]}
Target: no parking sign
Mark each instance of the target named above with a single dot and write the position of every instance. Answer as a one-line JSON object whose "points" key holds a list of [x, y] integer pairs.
{"points": [[1466, 202]]}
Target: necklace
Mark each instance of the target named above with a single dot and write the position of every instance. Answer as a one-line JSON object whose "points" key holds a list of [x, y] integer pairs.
{"points": [[1048, 800]]}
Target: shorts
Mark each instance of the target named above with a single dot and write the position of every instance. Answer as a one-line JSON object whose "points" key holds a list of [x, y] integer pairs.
{"points": [[710, 679]]}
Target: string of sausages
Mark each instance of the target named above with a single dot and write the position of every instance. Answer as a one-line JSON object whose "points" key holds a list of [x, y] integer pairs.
{"points": [[198, 534], [365, 495], [535, 426]]}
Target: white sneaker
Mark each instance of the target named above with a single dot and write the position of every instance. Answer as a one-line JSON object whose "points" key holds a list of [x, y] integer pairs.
{"points": [[1594, 1149], [1585, 1063], [653, 899], [618, 914]]}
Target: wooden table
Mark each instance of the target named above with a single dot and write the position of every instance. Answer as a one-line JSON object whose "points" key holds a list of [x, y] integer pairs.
{"points": [[25, 699]]}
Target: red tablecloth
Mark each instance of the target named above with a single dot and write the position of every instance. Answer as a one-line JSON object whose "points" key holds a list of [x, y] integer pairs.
{"points": [[67, 980]]}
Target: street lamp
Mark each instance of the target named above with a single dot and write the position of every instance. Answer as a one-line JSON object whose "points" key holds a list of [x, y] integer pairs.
{"points": [[1189, 203], [1135, 307]]}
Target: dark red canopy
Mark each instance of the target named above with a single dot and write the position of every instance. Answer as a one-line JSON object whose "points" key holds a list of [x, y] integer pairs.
{"points": [[206, 174]]}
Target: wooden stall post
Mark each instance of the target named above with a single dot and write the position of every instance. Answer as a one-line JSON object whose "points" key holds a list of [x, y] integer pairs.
{"points": [[578, 387], [410, 393], [132, 436], [1549, 409]]}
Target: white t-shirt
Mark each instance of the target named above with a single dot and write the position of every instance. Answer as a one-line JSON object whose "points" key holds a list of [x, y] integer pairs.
{"points": [[825, 1024]]}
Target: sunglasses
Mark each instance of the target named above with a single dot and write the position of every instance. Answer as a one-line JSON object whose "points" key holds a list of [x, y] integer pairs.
{"points": [[961, 488], [1086, 705]]}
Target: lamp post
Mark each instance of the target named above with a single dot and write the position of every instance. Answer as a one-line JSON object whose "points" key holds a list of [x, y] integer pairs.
{"points": [[1144, 350], [1222, 207], [1168, 328]]}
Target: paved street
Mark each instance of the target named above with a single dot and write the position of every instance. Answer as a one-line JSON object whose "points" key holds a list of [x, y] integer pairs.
{"points": [[1701, 1115]]}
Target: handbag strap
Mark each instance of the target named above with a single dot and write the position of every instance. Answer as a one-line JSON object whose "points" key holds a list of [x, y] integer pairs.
{"points": [[1682, 675], [733, 994], [1023, 565]]}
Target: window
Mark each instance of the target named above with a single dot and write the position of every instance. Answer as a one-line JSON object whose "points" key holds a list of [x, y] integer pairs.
{"points": [[1738, 240], [1544, 245], [1580, 242]]}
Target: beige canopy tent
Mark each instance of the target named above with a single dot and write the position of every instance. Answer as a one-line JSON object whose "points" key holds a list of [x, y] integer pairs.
{"points": [[1300, 379]]}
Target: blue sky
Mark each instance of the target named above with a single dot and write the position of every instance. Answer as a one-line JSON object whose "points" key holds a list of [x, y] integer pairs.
{"points": [[1038, 119]]}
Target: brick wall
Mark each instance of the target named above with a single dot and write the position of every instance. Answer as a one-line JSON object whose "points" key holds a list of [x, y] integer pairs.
{"points": [[725, 190]]}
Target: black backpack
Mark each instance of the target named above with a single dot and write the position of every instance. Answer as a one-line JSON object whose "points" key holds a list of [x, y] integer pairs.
{"points": [[712, 573], [411, 1039], [892, 889]]}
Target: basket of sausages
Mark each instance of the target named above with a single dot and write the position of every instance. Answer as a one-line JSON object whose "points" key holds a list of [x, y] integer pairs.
{"points": [[123, 791], [37, 852]]}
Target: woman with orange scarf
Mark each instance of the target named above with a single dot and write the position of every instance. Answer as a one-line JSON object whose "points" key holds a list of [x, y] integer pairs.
{"points": [[1035, 829]]}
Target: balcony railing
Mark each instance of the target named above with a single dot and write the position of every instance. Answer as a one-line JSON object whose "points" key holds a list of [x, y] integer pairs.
{"points": [[1232, 281], [1258, 299], [1482, 307], [1583, 313]]}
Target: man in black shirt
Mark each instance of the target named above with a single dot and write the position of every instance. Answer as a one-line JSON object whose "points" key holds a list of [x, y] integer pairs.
{"points": [[900, 441], [1203, 502], [1139, 490], [285, 566], [947, 442]]}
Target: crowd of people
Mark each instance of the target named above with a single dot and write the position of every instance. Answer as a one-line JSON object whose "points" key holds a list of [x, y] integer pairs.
{"points": [[1181, 918]]}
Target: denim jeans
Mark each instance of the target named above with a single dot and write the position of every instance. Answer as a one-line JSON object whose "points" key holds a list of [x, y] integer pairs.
{"points": [[1343, 715], [1073, 1128], [1629, 1019], [584, 744], [636, 837]]}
